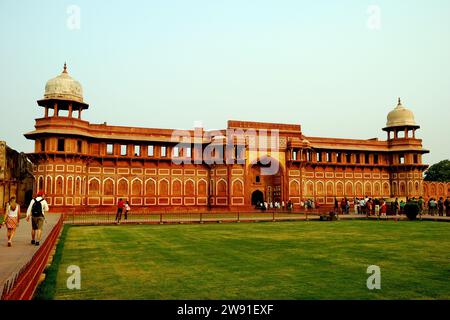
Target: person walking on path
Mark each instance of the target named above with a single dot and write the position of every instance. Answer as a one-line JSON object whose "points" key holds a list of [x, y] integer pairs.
{"points": [[36, 210], [11, 219], [120, 206]]}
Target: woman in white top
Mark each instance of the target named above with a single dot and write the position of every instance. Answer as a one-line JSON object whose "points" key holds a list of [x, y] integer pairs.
{"points": [[11, 219], [127, 209]]}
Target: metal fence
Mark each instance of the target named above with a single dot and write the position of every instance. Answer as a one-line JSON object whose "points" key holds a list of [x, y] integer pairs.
{"points": [[23, 284], [162, 217]]}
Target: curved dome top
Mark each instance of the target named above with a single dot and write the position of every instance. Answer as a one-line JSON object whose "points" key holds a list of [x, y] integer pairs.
{"points": [[400, 116], [64, 87]]}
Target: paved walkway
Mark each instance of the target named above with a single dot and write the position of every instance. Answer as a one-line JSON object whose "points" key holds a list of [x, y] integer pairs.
{"points": [[13, 258]]}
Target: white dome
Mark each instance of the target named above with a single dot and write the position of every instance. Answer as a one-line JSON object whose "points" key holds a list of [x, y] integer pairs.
{"points": [[400, 117], [64, 87]]}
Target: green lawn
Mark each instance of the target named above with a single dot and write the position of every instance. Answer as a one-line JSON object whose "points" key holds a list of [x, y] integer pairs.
{"points": [[285, 260]]}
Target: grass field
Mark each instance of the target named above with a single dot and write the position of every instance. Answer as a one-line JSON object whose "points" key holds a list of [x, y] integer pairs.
{"points": [[286, 260]]}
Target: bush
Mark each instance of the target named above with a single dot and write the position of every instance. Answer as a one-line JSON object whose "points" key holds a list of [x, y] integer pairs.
{"points": [[412, 210]]}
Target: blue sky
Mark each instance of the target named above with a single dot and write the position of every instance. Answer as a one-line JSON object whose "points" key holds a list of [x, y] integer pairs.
{"points": [[169, 63]]}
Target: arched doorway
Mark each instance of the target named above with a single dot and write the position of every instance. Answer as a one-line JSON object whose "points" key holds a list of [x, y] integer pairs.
{"points": [[268, 182], [257, 196]]}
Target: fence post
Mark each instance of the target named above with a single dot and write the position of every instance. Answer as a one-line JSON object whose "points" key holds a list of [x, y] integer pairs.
{"points": [[239, 216], [160, 218]]}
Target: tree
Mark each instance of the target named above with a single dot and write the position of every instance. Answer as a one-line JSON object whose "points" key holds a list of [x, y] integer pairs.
{"points": [[439, 172]]}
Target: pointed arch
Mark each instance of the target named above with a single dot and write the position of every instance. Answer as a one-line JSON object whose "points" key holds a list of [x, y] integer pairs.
{"points": [[69, 186], [122, 187], [349, 189], [221, 187], [48, 184], [309, 188], [78, 185], [294, 187], [377, 188], [150, 187], [330, 188], [94, 186], [202, 187], [367, 188], [339, 188], [359, 190], [163, 187], [40, 184], [59, 185], [320, 188], [136, 187], [386, 191], [189, 187], [177, 187], [108, 186]]}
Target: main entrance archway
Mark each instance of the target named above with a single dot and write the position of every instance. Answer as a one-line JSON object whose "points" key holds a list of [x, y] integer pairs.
{"points": [[269, 182], [257, 196]]}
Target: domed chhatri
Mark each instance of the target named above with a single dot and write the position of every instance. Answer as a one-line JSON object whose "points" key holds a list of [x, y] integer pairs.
{"points": [[64, 87], [400, 117]]}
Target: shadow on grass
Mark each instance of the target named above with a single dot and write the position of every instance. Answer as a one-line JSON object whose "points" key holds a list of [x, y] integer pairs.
{"points": [[47, 289]]}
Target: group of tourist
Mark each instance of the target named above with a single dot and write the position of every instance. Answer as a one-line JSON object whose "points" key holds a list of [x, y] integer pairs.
{"points": [[36, 211], [366, 205], [274, 205], [439, 206]]}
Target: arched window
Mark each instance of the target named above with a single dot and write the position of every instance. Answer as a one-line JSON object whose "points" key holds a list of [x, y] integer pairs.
{"points": [[94, 187]]}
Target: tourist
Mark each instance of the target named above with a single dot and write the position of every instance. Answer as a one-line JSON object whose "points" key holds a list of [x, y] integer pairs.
{"points": [[283, 205], [421, 204], [440, 206], [432, 206], [356, 206], [383, 210], [127, 209], [376, 203], [336, 205], [37, 209], [266, 205], [402, 206], [290, 205], [120, 206], [362, 206], [343, 206], [11, 219], [369, 207], [395, 206], [447, 206]]}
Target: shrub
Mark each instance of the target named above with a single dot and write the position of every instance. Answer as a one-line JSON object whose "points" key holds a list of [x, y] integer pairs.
{"points": [[411, 210]]}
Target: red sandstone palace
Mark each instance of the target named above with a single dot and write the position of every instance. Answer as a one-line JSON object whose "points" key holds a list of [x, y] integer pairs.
{"points": [[80, 164]]}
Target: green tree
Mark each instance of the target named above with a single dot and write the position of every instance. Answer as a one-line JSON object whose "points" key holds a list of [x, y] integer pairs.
{"points": [[439, 172]]}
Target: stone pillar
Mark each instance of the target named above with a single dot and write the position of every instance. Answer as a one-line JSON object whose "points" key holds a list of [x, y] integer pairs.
{"points": [[79, 113], [46, 112], [55, 109], [70, 110]]}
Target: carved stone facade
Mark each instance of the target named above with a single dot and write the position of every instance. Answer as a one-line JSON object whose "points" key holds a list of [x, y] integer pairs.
{"points": [[82, 165], [16, 176]]}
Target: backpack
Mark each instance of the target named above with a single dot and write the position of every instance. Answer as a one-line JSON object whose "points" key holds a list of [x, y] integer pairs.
{"points": [[36, 209]]}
